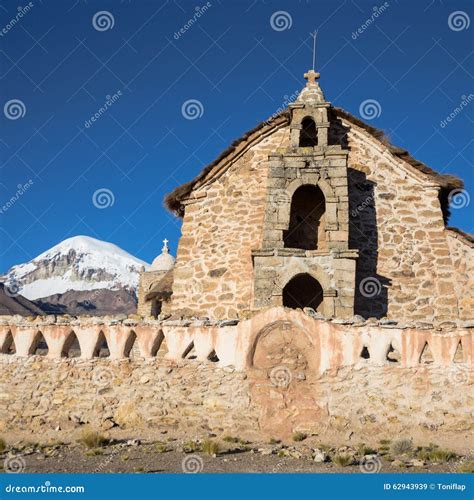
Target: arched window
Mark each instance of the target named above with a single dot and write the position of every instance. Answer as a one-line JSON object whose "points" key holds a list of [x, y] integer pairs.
{"points": [[308, 134], [306, 229], [303, 291]]}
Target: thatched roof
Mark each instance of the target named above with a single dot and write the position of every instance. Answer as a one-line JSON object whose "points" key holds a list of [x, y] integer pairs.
{"points": [[447, 182], [466, 236], [162, 289]]}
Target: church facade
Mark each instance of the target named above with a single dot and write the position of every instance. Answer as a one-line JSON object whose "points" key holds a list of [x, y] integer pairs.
{"points": [[315, 209]]}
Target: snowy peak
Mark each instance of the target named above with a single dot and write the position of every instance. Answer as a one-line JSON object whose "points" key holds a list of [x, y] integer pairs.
{"points": [[88, 245], [79, 263]]}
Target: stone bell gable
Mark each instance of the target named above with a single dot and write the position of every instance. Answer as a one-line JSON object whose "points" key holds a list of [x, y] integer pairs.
{"points": [[316, 208], [304, 259]]}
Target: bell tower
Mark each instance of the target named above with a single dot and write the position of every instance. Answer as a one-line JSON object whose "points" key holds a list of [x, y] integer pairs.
{"points": [[305, 260]]}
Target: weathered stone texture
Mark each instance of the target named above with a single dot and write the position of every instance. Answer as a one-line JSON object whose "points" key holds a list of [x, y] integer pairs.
{"points": [[280, 371], [191, 399], [461, 251], [213, 272], [397, 225], [406, 268]]}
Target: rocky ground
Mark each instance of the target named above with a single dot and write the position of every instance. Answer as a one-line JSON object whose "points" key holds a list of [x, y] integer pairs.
{"points": [[95, 453]]}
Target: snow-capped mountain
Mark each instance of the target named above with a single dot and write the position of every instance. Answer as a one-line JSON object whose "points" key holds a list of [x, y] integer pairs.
{"points": [[79, 264]]}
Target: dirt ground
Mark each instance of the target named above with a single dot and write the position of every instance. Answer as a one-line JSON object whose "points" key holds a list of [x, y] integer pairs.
{"points": [[133, 456]]}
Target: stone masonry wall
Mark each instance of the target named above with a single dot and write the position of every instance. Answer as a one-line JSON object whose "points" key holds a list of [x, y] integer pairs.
{"points": [[278, 372], [192, 399], [405, 268], [213, 274], [463, 262]]}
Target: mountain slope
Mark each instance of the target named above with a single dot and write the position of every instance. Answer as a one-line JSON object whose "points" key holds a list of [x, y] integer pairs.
{"points": [[79, 264], [10, 303]]}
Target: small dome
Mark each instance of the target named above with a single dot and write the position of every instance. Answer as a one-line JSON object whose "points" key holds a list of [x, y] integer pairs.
{"points": [[164, 261]]}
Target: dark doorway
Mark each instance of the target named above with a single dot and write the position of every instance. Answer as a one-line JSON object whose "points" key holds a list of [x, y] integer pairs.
{"points": [[303, 291], [306, 229], [308, 134]]}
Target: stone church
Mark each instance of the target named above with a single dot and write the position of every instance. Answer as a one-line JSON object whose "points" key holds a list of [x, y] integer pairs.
{"points": [[314, 209]]}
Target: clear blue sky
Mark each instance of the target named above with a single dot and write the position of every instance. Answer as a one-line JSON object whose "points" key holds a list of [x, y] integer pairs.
{"points": [[237, 66]]}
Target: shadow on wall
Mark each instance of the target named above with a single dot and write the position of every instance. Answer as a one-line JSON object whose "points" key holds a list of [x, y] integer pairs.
{"points": [[371, 289]]}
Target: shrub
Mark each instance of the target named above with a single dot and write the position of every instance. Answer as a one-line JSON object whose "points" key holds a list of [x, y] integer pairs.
{"points": [[92, 439], [342, 460], [299, 436], [161, 447], [401, 447], [191, 447], [467, 467], [363, 450], [210, 447], [433, 453], [274, 441], [3, 445], [93, 452], [385, 442], [325, 447], [231, 439]]}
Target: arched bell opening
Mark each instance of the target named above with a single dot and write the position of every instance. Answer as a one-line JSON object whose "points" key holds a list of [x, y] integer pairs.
{"points": [[308, 134], [306, 229]]}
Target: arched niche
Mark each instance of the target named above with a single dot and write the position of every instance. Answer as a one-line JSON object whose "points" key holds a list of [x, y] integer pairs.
{"points": [[303, 291]]}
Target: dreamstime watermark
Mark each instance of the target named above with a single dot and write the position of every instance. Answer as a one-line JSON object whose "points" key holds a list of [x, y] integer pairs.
{"points": [[370, 109], [459, 20], [192, 464], [458, 198], [370, 465], [280, 376], [110, 100], [103, 20], [21, 190], [103, 198], [279, 199], [102, 377], [14, 464], [465, 100], [14, 109], [370, 287], [192, 109], [459, 375], [103, 464], [287, 100], [368, 202], [377, 11], [12, 289], [22, 11], [281, 20], [199, 11], [47, 487]]}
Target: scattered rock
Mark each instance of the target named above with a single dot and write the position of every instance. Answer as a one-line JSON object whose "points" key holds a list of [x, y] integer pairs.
{"points": [[398, 463], [133, 442], [417, 463], [319, 455]]}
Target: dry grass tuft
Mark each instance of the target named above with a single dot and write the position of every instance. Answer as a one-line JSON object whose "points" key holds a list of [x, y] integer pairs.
{"points": [[210, 447], [93, 439]]}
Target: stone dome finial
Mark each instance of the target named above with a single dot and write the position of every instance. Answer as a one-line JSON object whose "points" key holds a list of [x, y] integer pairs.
{"points": [[164, 261]]}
